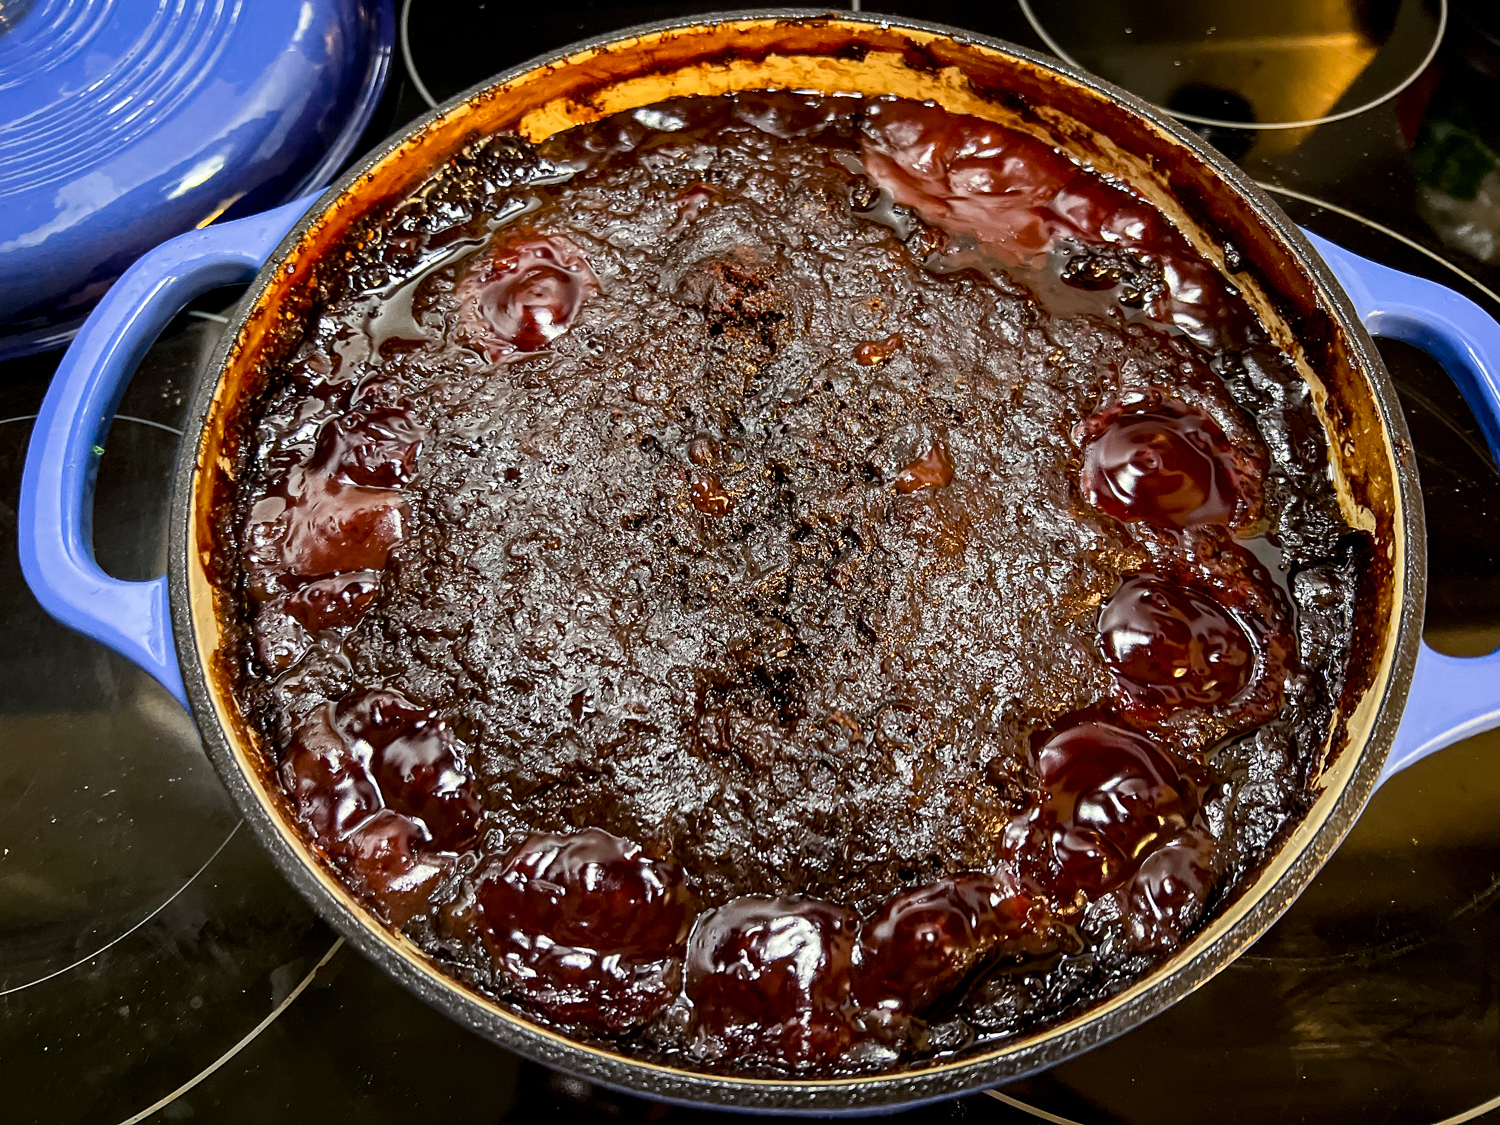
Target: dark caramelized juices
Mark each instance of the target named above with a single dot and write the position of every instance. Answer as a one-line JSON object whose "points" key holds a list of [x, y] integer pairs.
{"points": [[764, 582]]}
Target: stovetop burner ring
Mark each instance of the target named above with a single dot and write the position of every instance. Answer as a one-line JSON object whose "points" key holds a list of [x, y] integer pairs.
{"points": [[1063, 53]]}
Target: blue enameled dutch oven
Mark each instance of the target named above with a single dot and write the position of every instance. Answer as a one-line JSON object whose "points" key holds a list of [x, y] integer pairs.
{"points": [[126, 122], [1402, 700]]}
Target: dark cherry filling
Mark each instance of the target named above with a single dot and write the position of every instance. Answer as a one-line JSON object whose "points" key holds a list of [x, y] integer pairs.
{"points": [[521, 296], [390, 854], [1021, 198], [1162, 463], [376, 448], [771, 980], [340, 512], [414, 761], [335, 602], [321, 527], [1169, 891], [328, 778], [933, 469], [1109, 796], [968, 175], [924, 943], [1172, 647], [317, 544], [379, 783], [1212, 596], [586, 927]]}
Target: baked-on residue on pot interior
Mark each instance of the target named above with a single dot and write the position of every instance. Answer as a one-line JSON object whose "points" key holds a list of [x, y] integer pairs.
{"points": [[788, 583]]}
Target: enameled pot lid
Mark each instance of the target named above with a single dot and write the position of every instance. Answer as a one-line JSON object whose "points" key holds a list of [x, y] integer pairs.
{"points": [[126, 122]]}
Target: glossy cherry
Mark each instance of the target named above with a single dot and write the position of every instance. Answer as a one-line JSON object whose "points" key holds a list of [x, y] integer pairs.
{"points": [[339, 601], [1109, 795], [378, 716], [389, 856], [280, 640], [1170, 892], [328, 779], [378, 751], [586, 926], [523, 295], [376, 447], [413, 758], [771, 980], [925, 942], [1160, 463], [324, 527], [933, 469], [968, 175], [1170, 646], [592, 890]]}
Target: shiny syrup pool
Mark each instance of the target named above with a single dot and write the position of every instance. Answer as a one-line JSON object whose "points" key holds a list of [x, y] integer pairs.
{"points": [[1064, 414]]}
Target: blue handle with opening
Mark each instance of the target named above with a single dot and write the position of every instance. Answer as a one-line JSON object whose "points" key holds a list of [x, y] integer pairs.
{"points": [[62, 461], [1451, 697]]}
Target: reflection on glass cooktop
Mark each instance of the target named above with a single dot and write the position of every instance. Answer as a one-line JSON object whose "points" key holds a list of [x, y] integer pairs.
{"points": [[1273, 67], [154, 967]]}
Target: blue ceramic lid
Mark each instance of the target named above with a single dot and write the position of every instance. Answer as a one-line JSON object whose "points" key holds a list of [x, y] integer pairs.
{"points": [[126, 122]]}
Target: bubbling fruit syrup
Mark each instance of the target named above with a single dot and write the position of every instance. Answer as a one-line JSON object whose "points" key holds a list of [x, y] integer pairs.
{"points": [[760, 583]]}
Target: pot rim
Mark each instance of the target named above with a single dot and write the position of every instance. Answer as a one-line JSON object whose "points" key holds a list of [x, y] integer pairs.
{"points": [[936, 1079]]}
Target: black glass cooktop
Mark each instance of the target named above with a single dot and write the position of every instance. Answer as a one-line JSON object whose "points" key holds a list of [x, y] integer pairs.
{"points": [[154, 967]]}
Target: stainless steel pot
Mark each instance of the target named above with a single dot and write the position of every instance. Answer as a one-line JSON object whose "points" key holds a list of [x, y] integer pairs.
{"points": [[176, 626]]}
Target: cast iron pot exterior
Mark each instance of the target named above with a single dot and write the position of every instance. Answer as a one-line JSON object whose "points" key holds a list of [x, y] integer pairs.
{"points": [[1347, 780]]}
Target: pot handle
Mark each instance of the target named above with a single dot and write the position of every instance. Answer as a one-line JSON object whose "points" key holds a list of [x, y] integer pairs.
{"points": [[55, 522], [1451, 697]]}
